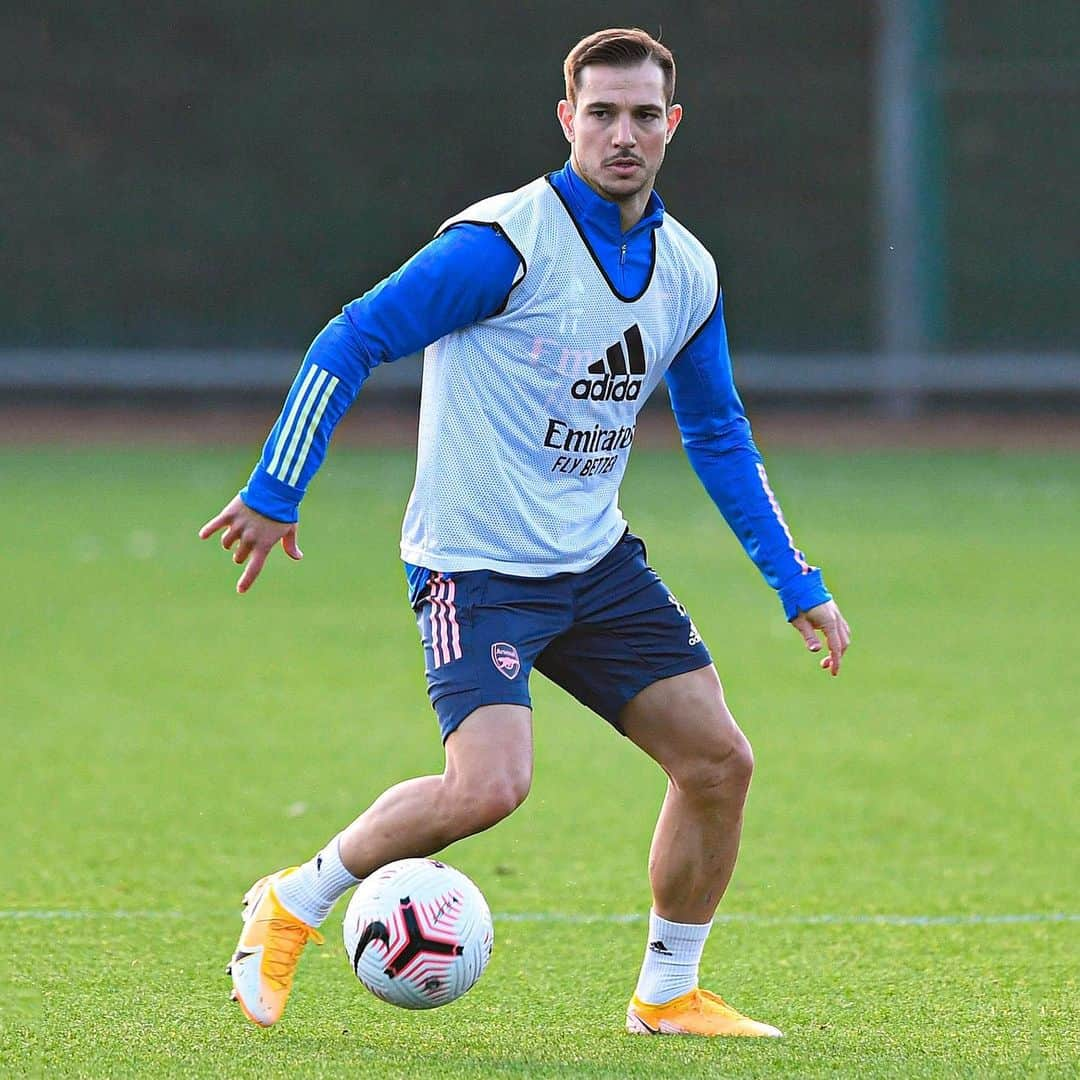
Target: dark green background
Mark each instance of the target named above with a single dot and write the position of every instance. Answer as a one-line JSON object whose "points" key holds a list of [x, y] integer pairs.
{"points": [[232, 172]]}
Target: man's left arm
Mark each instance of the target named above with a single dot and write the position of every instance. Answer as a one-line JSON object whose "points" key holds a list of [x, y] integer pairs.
{"points": [[717, 438]]}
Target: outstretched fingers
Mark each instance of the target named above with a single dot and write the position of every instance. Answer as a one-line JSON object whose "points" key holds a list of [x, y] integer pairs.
{"points": [[290, 546], [232, 533], [838, 638], [826, 619], [252, 570], [251, 537], [215, 523], [226, 518], [243, 549], [809, 634]]}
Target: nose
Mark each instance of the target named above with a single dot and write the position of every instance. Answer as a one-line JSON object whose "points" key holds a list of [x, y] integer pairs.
{"points": [[624, 132]]}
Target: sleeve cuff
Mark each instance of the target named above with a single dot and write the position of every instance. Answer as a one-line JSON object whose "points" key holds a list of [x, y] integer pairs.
{"points": [[268, 496], [803, 592]]}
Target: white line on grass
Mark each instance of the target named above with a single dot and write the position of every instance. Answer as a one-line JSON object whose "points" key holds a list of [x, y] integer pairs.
{"points": [[70, 913], [570, 918], [813, 920]]}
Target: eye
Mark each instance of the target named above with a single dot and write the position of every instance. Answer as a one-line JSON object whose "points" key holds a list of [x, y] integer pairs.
{"points": [[598, 113]]}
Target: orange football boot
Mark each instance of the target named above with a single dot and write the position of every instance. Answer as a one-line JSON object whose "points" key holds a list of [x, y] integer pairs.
{"points": [[269, 949], [699, 1012]]}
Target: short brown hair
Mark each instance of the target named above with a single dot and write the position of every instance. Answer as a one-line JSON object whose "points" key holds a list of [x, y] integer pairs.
{"points": [[618, 48]]}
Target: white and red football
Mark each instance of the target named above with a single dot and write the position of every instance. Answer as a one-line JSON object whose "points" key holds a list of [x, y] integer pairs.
{"points": [[418, 933]]}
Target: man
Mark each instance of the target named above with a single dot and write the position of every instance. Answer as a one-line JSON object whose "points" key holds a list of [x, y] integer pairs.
{"points": [[548, 314]]}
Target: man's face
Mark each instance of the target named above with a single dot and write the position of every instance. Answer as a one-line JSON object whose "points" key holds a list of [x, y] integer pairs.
{"points": [[619, 129]]}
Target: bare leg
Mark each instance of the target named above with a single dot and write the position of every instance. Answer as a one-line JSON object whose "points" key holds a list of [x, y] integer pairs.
{"points": [[487, 776], [684, 725]]}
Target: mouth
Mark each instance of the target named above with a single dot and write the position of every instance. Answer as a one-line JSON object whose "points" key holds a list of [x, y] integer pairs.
{"points": [[624, 166]]}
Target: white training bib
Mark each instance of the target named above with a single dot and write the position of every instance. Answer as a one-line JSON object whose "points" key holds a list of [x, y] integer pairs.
{"points": [[527, 418]]}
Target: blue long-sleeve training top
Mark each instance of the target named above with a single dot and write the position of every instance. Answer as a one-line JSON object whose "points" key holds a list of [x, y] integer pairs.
{"points": [[464, 276]]}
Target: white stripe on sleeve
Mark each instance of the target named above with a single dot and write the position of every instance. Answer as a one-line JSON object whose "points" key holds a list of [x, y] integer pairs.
{"points": [[313, 425], [301, 422], [287, 426], [800, 558]]}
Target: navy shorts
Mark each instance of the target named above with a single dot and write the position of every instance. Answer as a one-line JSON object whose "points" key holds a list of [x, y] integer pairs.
{"points": [[603, 635]]}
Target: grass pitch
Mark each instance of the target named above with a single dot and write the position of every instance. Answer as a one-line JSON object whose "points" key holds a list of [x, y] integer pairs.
{"points": [[906, 904]]}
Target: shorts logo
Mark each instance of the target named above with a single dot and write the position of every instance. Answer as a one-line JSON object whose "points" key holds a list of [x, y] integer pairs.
{"points": [[695, 637], [505, 658]]}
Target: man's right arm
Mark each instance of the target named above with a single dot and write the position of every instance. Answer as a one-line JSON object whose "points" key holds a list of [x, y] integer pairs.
{"points": [[463, 276]]}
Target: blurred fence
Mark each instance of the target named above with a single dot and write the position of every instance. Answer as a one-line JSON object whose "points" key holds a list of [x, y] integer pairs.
{"points": [[233, 374], [202, 187]]}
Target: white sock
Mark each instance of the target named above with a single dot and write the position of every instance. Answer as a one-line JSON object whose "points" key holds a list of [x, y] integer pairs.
{"points": [[672, 956], [311, 890]]}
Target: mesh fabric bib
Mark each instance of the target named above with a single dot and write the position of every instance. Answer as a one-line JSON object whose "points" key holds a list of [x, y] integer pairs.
{"points": [[527, 418]]}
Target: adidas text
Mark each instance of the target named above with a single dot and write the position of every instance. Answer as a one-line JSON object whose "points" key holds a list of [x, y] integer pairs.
{"points": [[606, 389]]}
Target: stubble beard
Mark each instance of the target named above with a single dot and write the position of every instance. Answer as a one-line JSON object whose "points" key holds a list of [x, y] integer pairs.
{"points": [[620, 195]]}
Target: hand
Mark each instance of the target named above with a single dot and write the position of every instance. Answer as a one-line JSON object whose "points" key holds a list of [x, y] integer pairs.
{"points": [[826, 618], [255, 537]]}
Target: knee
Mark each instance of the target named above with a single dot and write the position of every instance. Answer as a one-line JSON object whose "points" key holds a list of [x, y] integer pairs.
{"points": [[483, 802], [739, 760], [498, 798], [719, 772]]}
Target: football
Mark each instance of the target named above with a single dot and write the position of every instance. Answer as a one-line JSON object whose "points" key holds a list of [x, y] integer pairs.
{"points": [[418, 933]]}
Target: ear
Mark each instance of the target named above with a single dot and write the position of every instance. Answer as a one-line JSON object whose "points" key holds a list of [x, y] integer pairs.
{"points": [[565, 113], [674, 116]]}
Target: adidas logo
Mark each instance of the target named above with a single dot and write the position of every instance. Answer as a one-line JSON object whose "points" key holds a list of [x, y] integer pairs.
{"points": [[659, 947], [619, 363]]}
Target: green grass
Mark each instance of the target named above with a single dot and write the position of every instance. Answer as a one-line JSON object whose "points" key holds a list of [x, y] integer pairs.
{"points": [[165, 742]]}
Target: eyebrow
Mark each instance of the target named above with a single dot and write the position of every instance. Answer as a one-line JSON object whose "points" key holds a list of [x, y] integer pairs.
{"points": [[613, 105]]}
